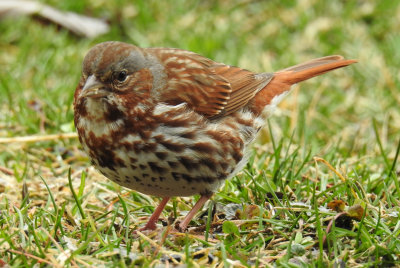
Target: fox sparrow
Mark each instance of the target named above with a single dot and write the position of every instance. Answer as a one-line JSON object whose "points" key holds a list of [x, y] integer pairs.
{"points": [[169, 122]]}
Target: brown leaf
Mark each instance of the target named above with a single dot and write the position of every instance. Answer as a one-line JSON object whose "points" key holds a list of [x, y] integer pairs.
{"points": [[250, 211], [3, 263], [337, 205]]}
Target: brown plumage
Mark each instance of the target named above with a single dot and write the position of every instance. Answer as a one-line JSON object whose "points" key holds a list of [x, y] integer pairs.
{"points": [[169, 122]]}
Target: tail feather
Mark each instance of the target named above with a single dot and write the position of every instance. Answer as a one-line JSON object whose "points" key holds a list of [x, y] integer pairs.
{"points": [[314, 62], [284, 79], [309, 69]]}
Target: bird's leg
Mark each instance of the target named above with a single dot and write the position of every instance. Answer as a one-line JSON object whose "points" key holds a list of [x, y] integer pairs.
{"points": [[183, 225], [151, 224]]}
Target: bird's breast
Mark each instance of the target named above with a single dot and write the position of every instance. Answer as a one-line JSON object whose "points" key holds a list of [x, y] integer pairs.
{"points": [[179, 153]]}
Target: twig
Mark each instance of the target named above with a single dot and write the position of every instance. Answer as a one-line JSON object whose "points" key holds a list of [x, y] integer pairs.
{"points": [[329, 227], [40, 260], [7, 171], [76, 23], [39, 138]]}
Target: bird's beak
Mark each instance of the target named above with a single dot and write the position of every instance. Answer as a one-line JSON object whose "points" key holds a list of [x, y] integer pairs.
{"points": [[93, 88]]}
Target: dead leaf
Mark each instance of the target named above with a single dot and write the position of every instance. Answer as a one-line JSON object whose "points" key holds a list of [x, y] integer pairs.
{"points": [[337, 205]]}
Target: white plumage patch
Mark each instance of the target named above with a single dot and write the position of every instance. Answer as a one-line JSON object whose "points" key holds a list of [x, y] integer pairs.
{"points": [[162, 108], [270, 108], [94, 121]]}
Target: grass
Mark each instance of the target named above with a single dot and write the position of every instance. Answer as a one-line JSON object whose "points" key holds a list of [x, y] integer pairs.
{"points": [[335, 137]]}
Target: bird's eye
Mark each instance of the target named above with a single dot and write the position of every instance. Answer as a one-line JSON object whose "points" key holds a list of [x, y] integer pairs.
{"points": [[121, 76]]}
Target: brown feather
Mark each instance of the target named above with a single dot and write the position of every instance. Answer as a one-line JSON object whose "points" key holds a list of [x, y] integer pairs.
{"points": [[284, 79], [208, 87], [215, 90], [245, 85], [191, 79]]}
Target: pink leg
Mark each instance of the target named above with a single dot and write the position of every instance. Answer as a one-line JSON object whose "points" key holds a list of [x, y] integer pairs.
{"points": [[151, 224], [183, 225]]}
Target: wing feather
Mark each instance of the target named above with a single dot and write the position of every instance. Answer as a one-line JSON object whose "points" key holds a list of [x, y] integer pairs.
{"points": [[210, 88]]}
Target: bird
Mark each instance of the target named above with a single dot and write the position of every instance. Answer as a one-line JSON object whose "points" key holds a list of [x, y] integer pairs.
{"points": [[169, 122]]}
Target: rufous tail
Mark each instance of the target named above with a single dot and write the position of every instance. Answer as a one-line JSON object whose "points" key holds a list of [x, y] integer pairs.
{"points": [[284, 79]]}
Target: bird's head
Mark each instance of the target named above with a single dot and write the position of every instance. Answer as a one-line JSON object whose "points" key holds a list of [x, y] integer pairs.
{"points": [[111, 68], [116, 77]]}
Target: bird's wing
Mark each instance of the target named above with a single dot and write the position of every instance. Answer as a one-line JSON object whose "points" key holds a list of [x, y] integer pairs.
{"points": [[209, 88]]}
